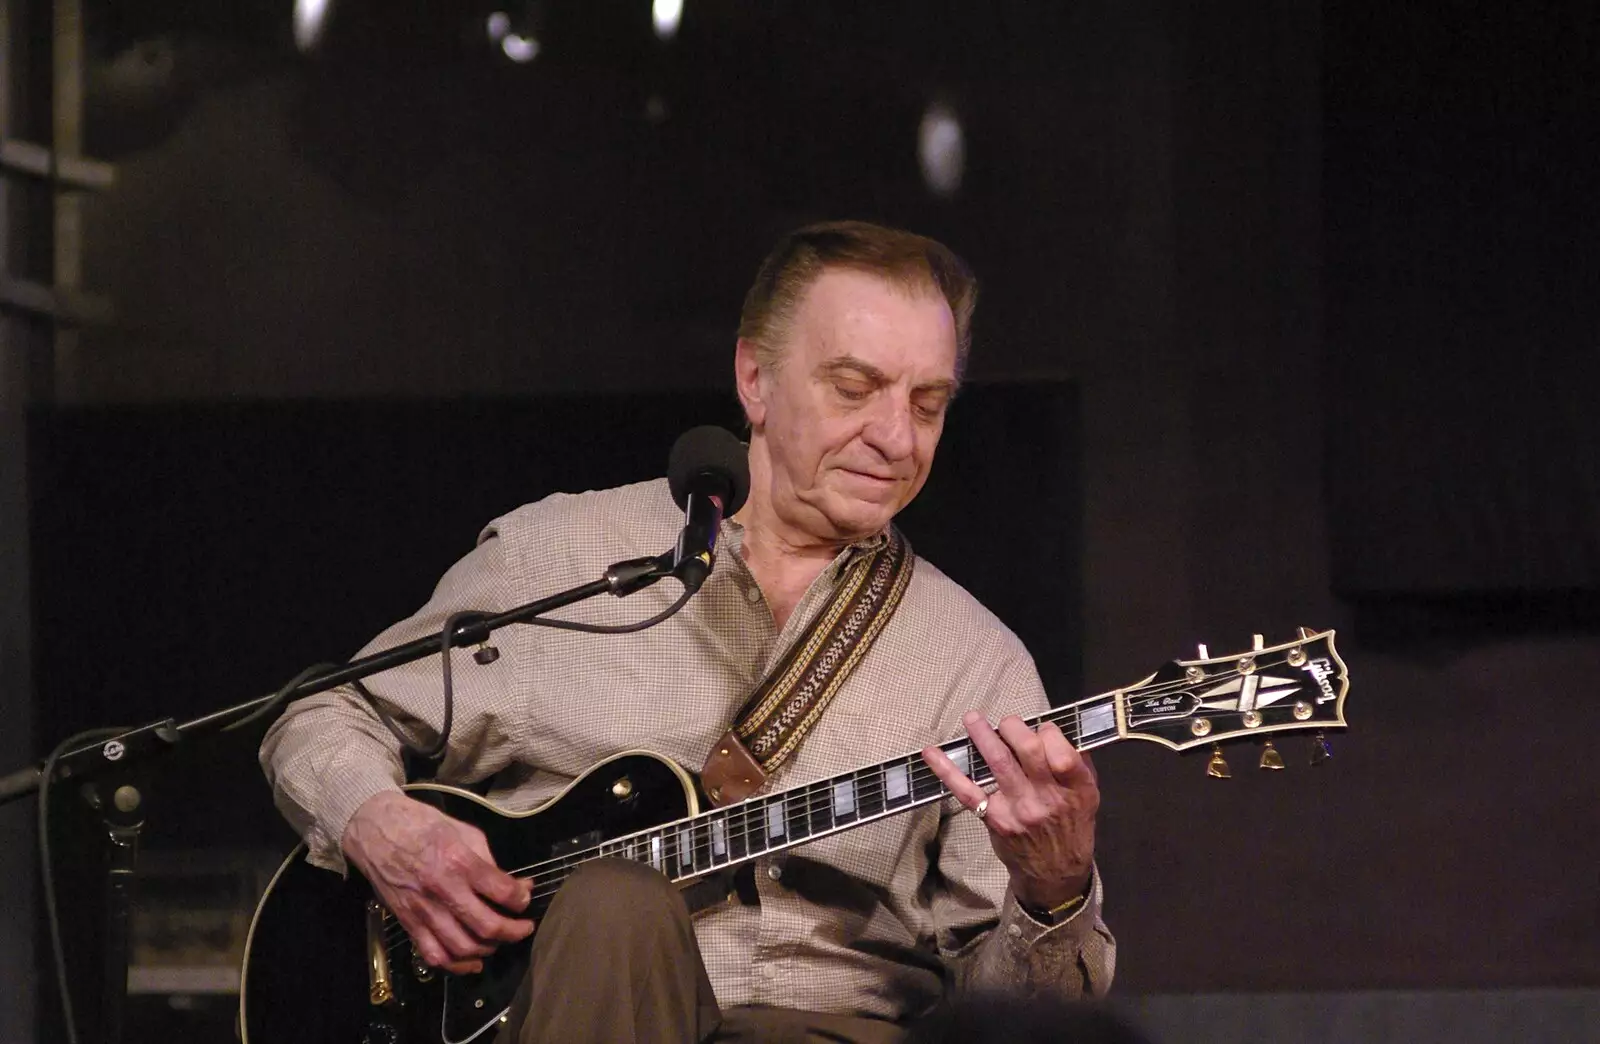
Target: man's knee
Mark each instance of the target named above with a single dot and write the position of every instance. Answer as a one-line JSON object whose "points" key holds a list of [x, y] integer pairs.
{"points": [[618, 891]]}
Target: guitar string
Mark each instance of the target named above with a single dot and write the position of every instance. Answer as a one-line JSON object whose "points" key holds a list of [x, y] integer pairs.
{"points": [[807, 812], [744, 826], [753, 817], [749, 821], [821, 790], [745, 822], [815, 794]]}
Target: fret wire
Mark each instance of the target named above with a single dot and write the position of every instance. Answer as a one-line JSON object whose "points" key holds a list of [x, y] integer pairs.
{"points": [[700, 829], [916, 773], [756, 814], [555, 872], [809, 799], [751, 816]]}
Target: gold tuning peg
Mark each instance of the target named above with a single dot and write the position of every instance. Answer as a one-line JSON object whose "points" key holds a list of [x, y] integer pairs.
{"points": [[1217, 767], [1270, 758], [1321, 751]]}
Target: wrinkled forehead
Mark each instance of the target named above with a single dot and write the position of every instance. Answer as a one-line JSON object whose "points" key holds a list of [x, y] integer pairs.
{"points": [[848, 312]]}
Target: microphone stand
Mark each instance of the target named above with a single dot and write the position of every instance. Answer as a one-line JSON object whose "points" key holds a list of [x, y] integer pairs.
{"points": [[114, 760]]}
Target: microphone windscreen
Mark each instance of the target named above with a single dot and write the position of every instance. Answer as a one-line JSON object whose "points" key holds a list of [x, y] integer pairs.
{"points": [[709, 453]]}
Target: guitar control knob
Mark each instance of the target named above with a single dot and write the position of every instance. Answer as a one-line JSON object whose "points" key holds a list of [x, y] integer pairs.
{"points": [[380, 1033]]}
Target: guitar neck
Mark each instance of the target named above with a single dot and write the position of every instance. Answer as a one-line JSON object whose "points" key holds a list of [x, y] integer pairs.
{"points": [[771, 823]]}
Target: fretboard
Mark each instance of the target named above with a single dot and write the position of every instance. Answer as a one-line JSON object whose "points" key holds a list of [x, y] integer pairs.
{"points": [[770, 823]]}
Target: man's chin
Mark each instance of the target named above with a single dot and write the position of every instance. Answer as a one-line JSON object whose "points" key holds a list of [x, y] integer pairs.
{"points": [[858, 520]]}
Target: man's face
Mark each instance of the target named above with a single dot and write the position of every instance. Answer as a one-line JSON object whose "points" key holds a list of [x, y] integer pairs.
{"points": [[852, 413]]}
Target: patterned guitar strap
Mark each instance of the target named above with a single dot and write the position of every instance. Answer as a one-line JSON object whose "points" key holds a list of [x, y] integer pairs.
{"points": [[793, 696]]}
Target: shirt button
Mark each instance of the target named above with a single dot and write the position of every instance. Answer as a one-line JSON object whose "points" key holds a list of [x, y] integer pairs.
{"points": [[754, 594], [1013, 931], [775, 872]]}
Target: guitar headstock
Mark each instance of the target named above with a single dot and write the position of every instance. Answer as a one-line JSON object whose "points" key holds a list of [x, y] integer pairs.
{"points": [[1298, 686]]}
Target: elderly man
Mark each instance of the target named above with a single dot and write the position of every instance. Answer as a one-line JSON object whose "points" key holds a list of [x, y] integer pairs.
{"points": [[851, 347]]}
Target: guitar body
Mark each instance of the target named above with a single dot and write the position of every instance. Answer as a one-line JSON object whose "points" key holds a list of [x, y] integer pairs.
{"points": [[308, 976]]}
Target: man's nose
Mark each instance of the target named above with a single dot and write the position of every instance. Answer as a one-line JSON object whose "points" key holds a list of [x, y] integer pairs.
{"points": [[890, 430]]}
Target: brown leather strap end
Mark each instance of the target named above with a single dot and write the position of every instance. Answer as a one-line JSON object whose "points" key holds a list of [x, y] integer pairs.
{"points": [[731, 773]]}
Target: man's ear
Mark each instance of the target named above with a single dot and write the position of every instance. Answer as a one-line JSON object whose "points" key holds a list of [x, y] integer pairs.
{"points": [[747, 374]]}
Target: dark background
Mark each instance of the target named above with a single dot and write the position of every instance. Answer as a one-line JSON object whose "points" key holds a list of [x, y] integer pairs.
{"points": [[1293, 306]]}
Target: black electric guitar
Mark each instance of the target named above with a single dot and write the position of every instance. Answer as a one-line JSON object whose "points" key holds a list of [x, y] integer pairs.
{"points": [[325, 963]]}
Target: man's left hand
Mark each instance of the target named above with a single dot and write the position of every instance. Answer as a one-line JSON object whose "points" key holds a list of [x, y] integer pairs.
{"points": [[1041, 813]]}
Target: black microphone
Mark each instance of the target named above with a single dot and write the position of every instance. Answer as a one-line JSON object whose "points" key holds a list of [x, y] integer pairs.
{"points": [[709, 473]]}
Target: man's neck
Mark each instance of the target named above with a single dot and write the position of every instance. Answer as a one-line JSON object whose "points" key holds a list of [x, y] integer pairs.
{"points": [[783, 556], [784, 568]]}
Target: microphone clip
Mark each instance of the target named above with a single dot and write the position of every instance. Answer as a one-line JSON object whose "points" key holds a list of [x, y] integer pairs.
{"points": [[624, 578]]}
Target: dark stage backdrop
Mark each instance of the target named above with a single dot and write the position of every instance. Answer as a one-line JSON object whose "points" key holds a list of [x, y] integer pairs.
{"points": [[190, 557], [1463, 442]]}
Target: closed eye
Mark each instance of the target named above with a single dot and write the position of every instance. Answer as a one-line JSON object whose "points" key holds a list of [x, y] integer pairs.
{"points": [[931, 406]]}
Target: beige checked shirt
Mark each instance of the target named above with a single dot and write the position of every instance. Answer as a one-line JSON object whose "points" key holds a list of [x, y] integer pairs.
{"points": [[872, 921]]}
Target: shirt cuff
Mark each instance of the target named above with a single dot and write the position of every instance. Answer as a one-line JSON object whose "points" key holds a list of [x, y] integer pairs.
{"points": [[1022, 932], [344, 790]]}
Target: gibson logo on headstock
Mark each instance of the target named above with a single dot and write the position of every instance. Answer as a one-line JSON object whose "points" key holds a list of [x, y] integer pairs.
{"points": [[1321, 669]]}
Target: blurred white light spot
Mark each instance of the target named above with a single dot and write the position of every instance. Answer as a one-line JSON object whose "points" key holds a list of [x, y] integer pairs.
{"points": [[498, 24], [655, 109], [520, 48], [667, 15], [309, 18], [941, 150]]}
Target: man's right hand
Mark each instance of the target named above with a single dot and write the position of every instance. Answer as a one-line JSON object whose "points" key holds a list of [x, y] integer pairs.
{"points": [[437, 875]]}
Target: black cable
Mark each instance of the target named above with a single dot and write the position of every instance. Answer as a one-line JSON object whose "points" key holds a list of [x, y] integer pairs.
{"points": [[429, 753], [48, 872], [571, 625], [281, 695], [436, 750], [446, 633]]}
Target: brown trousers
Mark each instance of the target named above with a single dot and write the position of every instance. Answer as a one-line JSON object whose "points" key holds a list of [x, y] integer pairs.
{"points": [[615, 962]]}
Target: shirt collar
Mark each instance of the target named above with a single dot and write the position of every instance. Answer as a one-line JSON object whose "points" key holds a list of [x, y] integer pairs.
{"points": [[733, 538]]}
